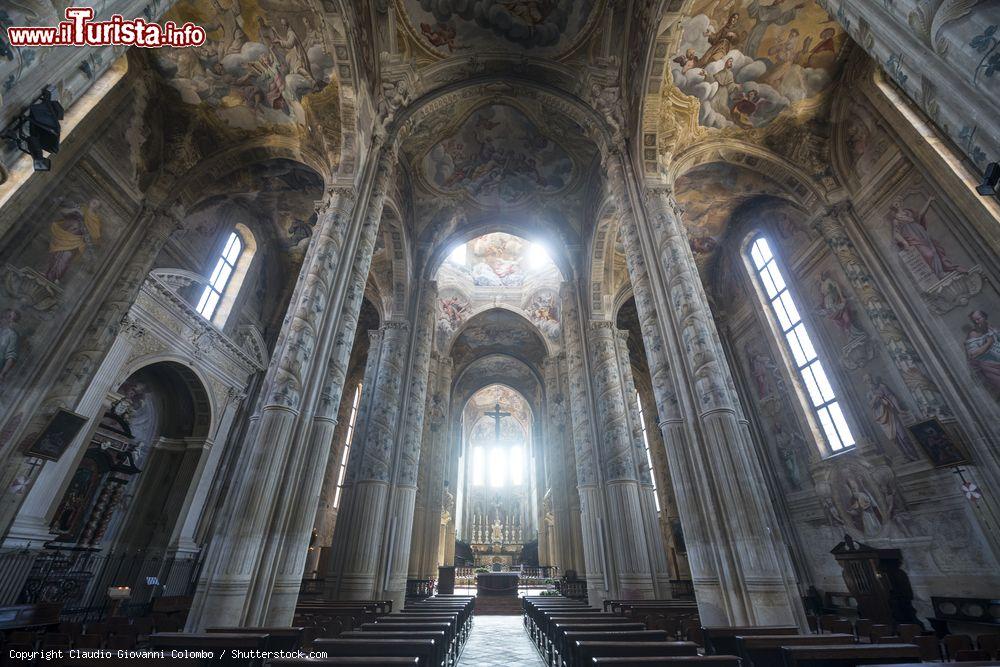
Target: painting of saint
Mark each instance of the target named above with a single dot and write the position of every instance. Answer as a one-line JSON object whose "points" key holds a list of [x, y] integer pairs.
{"points": [[57, 435], [76, 231], [8, 343], [763, 371], [496, 261], [888, 414], [776, 13], [910, 232], [833, 305], [938, 444], [982, 348], [863, 508], [722, 41]]}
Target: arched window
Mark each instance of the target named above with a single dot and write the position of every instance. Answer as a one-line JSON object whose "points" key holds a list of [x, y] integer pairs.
{"points": [[348, 439], [649, 457], [821, 397], [219, 280], [224, 282]]}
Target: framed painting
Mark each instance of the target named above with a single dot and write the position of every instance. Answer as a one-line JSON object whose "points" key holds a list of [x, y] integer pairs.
{"points": [[939, 443], [57, 435]]}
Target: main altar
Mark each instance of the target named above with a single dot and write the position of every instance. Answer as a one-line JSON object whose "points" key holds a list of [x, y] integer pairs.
{"points": [[497, 544]]}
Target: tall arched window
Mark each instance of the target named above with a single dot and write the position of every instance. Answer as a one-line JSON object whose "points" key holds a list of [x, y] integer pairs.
{"points": [[219, 280], [649, 456], [224, 282], [352, 423], [805, 359]]}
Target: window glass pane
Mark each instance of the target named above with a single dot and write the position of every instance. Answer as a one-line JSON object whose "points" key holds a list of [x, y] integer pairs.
{"points": [[223, 277], [805, 342], [842, 429], [656, 499], [755, 254], [497, 468], [783, 319], [828, 429], [793, 343], [203, 300], [790, 309], [812, 387], [769, 285], [336, 496], [775, 273], [764, 248], [823, 382], [230, 242], [213, 279], [234, 251], [478, 466], [213, 300], [516, 466]]}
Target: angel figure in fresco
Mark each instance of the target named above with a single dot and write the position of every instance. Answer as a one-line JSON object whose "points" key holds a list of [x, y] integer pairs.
{"points": [[452, 309], [826, 44], [866, 515], [982, 347], [722, 40], [888, 414], [909, 231], [688, 61], [230, 22], [727, 90], [296, 58], [785, 53], [774, 13], [835, 306], [76, 231], [440, 34]]}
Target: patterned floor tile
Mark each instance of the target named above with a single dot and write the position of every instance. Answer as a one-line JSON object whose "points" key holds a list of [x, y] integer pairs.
{"points": [[499, 641]]}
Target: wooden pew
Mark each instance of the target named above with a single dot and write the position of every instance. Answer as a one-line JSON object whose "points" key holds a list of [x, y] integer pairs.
{"points": [[684, 661], [765, 650], [555, 647], [279, 639], [585, 651], [849, 656], [424, 649], [443, 655], [721, 640], [452, 639], [570, 640]]}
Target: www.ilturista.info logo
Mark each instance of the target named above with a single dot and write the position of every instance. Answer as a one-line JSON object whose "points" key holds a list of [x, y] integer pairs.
{"points": [[79, 29]]}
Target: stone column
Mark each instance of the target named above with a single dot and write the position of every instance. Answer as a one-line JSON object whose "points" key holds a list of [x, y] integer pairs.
{"points": [[938, 54], [364, 507], [832, 225], [87, 378], [741, 571], [626, 534], [647, 492], [594, 531], [410, 440], [557, 463]]}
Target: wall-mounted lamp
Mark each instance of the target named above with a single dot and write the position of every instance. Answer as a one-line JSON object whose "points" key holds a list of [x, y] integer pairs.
{"points": [[991, 179], [36, 130]]}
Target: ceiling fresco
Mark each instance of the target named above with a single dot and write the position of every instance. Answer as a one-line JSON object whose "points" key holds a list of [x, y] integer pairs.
{"points": [[497, 157], [266, 64], [497, 331], [709, 194], [455, 27], [747, 61], [498, 369]]}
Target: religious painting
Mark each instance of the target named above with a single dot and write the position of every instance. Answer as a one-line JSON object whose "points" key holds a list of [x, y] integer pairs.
{"points": [[496, 260], [939, 444], [749, 60], [543, 310], [866, 141], [860, 503], [75, 232], [453, 307], [497, 157], [451, 27], [889, 413], [9, 342], [258, 67], [982, 348], [57, 435], [836, 306], [915, 229]]}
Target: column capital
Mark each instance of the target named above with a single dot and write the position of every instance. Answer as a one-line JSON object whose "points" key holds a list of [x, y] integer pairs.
{"points": [[602, 325], [390, 325]]}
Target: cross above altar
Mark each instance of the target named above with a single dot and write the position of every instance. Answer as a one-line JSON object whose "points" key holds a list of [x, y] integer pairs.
{"points": [[497, 415]]}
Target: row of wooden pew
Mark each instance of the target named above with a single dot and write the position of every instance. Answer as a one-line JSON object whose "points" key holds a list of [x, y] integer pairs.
{"points": [[570, 633]]}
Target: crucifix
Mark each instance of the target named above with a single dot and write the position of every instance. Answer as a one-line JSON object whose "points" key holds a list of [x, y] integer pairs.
{"points": [[497, 416]]}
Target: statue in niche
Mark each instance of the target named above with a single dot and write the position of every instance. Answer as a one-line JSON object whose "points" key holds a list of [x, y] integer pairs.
{"points": [[497, 532]]}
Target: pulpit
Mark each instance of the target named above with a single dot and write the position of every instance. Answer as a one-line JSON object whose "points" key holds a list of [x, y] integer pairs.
{"points": [[876, 580], [497, 583]]}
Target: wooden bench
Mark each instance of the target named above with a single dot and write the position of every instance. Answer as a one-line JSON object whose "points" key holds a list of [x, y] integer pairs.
{"points": [[424, 649], [585, 651], [555, 648], [279, 639], [684, 661], [721, 640], [765, 650], [453, 643], [440, 639], [570, 640], [849, 656], [352, 661], [217, 643]]}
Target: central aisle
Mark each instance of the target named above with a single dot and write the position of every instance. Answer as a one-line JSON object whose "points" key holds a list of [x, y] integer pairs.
{"points": [[499, 641]]}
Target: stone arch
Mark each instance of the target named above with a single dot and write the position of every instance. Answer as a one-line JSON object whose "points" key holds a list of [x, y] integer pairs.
{"points": [[206, 409], [484, 311]]}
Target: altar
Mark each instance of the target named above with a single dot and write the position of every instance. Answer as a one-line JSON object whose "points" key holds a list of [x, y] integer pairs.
{"points": [[497, 583]]}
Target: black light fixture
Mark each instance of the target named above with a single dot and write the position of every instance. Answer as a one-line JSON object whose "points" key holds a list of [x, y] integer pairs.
{"points": [[991, 179], [36, 131]]}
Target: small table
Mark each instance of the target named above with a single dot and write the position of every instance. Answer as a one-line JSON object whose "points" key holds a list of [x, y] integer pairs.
{"points": [[497, 583]]}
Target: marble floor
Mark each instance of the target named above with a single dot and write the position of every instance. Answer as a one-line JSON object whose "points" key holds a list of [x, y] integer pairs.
{"points": [[499, 641]]}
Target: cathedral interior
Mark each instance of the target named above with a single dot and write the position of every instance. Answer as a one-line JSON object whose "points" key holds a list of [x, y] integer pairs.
{"points": [[693, 301]]}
